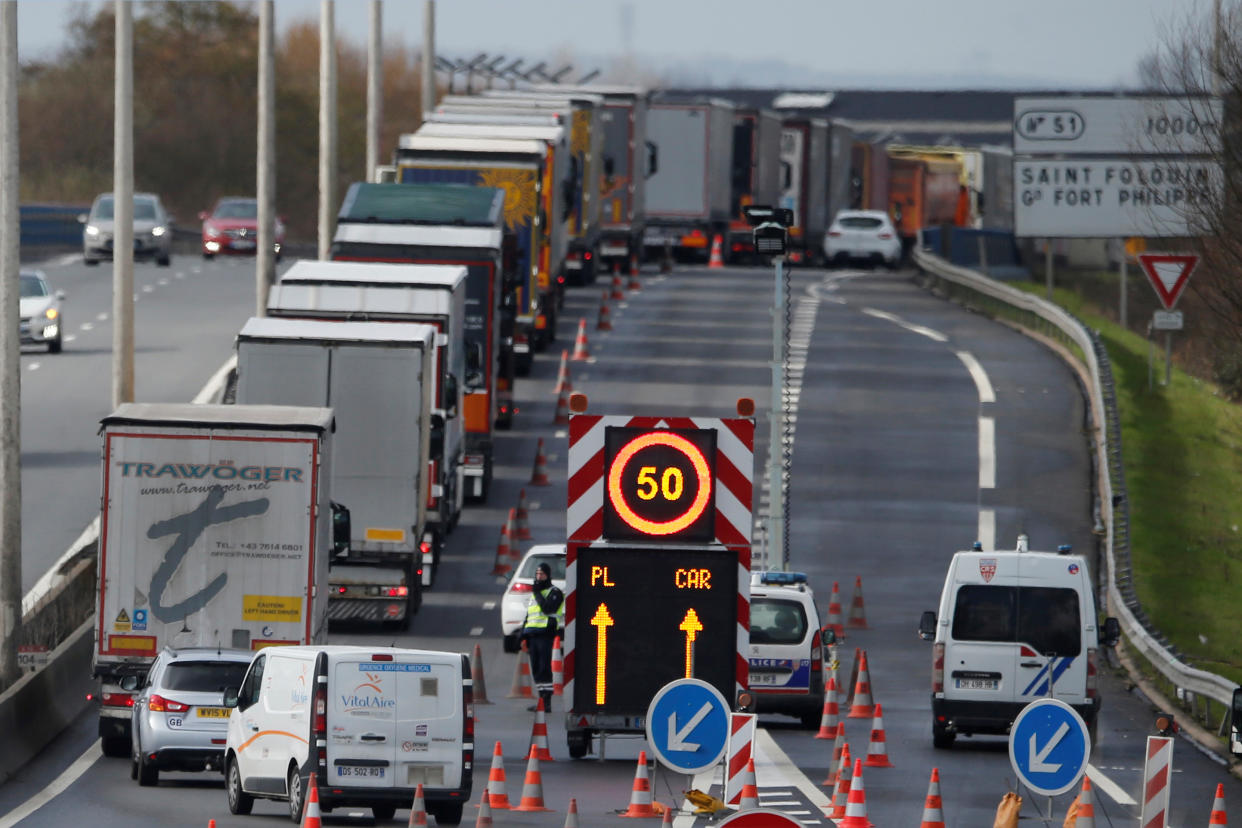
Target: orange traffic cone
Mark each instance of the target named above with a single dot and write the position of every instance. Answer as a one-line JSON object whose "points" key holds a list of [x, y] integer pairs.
{"points": [[523, 685], [311, 817], [834, 612], [618, 289], [571, 818], [581, 352], [856, 804], [604, 322], [485, 810], [717, 257], [841, 788], [522, 515], [495, 796], [1218, 807], [668, 814], [858, 614], [539, 734], [532, 787], [640, 796], [750, 790], [476, 676], [561, 416], [504, 553], [933, 809], [877, 750], [211, 823], [839, 747], [828, 721], [563, 383], [418, 811], [634, 284], [1084, 806], [862, 706], [558, 668], [539, 477]]}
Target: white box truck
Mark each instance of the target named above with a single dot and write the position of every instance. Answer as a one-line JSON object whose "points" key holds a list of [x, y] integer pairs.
{"points": [[379, 292], [378, 379], [215, 531]]}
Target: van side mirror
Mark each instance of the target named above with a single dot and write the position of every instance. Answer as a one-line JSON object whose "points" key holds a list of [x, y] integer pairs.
{"points": [[653, 159], [230, 697], [435, 443], [1112, 632], [129, 683], [451, 396], [927, 626], [341, 529], [1235, 719], [828, 635], [474, 366]]}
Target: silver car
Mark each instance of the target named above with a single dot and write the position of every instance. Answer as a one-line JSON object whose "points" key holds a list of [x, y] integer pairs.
{"points": [[42, 321], [152, 230], [179, 722]]}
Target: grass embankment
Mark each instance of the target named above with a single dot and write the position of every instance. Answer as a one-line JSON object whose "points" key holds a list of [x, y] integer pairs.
{"points": [[1182, 447]]}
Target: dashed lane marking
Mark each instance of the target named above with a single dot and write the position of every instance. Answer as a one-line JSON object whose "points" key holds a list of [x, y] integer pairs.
{"points": [[34, 366], [476, 631], [489, 605], [987, 453], [88, 326], [987, 529], [909, 326], [101, 317], [70, 337]]}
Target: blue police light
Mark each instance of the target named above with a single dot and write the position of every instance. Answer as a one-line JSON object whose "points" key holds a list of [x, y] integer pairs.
{"points": [[1064, 549], [782, 578], [977, 546]]}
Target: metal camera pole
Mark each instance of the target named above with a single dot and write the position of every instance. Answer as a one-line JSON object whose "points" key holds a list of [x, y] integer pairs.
{"points": [[776, 488]]}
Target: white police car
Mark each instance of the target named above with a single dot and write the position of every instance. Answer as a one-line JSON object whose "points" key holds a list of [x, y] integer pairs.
{"points": [[787, 649]]}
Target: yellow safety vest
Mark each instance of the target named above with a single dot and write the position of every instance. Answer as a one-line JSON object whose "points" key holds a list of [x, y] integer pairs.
{"points": [[536, 619]]}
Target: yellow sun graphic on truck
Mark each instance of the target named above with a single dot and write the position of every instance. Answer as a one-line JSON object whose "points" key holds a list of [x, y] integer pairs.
{"points": [[519, 187]]}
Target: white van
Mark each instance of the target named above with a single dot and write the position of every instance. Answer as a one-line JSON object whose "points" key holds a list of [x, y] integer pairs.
{"points": [[370, 722], [1013, 627]]}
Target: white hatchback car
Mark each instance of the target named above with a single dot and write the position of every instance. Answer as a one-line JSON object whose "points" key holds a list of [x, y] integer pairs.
{"points": [[862, 235], [517, 592]]}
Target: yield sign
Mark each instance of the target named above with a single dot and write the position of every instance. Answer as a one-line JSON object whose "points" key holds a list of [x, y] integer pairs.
{"points": [[1168, 273]]}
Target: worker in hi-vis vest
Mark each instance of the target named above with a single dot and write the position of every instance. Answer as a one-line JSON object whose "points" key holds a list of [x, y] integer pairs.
{"points": [[545, 618]]}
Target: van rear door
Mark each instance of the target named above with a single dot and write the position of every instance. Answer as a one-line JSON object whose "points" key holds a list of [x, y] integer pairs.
{"points": [[1050, 644], [981, 662]]}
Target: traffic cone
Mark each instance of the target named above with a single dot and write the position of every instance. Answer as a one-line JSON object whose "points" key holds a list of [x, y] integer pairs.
{"points": [[834, 612], [668, 816], [858, 614], [618, 289], [211, 823], [828, 721], [504, 553], [539, 734], [476, 676], [571, 818], [562, 409], [1218, 807], [841, 788], [1084, 813], [558, 668], [750, 790], [495, 797], [563, 383], [532, 787], [522, 518], [581, 352], [539, 477], [717, 257], [418, 811], [604, 322], [862, 707], [877, 750], [640, 796], [853, 685], [634, 284], [839, 747], [933, 809], [485, 810], [523, 685], [856, 804], [311, 817]]}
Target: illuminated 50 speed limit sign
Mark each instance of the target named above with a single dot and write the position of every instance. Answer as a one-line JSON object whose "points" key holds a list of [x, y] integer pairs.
{"points": [[659, 484]]}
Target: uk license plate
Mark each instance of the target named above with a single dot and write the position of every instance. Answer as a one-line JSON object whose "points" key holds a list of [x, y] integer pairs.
{"points": [[212, 712], [977, 684], [358, 771]]}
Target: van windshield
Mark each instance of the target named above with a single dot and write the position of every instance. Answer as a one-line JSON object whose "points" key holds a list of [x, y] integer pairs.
{"points": [[1046, 618]]}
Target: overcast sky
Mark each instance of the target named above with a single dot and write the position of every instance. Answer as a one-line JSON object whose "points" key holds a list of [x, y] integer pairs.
{"points": [[998, 43]]}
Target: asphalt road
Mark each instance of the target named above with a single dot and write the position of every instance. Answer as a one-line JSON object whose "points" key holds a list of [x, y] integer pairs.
{"points": [[886, 485]]}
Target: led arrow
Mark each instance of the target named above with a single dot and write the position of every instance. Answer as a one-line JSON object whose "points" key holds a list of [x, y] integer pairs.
{"points": [[602, 621], [677, 738], [1037, 757], [691, 626]]}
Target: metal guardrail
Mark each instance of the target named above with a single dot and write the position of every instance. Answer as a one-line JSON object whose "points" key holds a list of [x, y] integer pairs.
{"points": [[1114, 513]]}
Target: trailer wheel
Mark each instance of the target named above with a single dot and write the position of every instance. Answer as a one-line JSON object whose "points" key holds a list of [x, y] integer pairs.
{"points": [[114, 746], [579, 742]]}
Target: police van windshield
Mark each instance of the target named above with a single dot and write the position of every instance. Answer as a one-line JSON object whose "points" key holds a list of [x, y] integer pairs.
{"points": [[1046, 618], [773, 621]]}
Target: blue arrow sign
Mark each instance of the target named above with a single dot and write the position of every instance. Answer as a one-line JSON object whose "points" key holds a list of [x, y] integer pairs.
{"points": [[688, 725], [1049, 746]]}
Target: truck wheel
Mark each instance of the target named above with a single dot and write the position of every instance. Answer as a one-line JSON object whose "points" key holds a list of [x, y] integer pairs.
{"points": [[383, 813], [240, 802], [115, 746], [942, 737], [447, 813], [579, 742]]}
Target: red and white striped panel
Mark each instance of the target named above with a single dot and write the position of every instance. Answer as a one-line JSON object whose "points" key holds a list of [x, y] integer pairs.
{"points": [[735, 469], [739, 752], [1157, 768]]}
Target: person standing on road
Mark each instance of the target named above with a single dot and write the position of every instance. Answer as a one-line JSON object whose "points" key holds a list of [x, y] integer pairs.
{"points": [[545, 617]]}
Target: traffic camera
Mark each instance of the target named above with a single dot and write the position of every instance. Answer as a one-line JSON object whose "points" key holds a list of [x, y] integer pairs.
{"points": [[770, 223]]}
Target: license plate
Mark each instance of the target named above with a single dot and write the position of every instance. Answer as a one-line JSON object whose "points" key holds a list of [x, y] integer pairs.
{"points": [[212, 712], [977, 684], [612, 250], [573, 264], [358, 771], [243, 244], [765, 678]]}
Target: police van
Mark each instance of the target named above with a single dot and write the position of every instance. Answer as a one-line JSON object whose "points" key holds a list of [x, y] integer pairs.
{"points": [[786, 647], [1013, 627], [371, 723]]}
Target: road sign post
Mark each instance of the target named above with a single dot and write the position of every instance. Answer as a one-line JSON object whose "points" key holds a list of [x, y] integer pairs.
{"points": [[688, 726], [1048, 747]]}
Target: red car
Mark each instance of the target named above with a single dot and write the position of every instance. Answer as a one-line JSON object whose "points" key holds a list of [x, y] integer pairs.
{"points": [[233, 227]]}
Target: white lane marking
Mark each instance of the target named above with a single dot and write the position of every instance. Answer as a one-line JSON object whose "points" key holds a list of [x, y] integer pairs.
{"points": [[102, 317], [980, 376], [88, 326], [987, 529], [148, 288], [909, 326], [180, 275], [34, 366], [162, 282], [57, 787], [987, 453], [774, 762], [476, 631], [1108, 786], [70, 337], [489, 605], [216, 382], [560, 432]]}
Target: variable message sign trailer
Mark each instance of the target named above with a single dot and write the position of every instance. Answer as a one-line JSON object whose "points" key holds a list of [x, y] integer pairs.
{"points": [[657, 577], [215, 531], [378, 379], [450, 224]]}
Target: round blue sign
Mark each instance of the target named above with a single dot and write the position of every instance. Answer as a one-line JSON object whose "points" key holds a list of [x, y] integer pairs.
{"points": [[1048, 746], [688, 725]]}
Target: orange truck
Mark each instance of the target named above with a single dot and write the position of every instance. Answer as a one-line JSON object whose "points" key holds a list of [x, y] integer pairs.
{"points": [[923, 192]]}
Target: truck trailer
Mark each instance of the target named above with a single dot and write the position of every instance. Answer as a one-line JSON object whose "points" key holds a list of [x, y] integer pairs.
{"points": [[754, 176]]}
